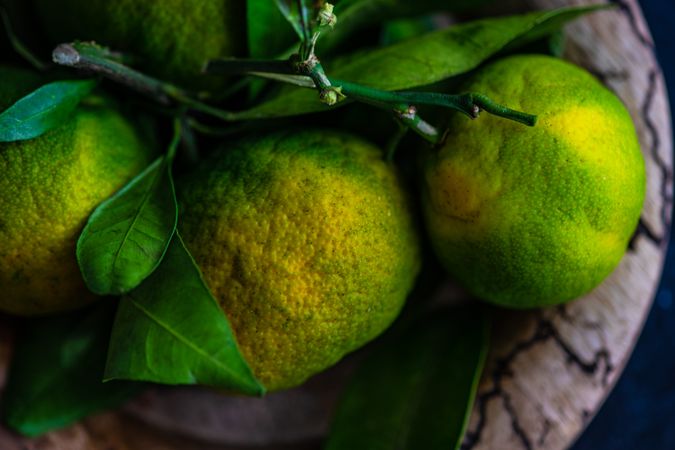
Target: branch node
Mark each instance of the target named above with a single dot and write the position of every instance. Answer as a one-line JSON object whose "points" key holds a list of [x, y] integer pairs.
{"points": [[326, 16], [66, 55], [331, 95]]}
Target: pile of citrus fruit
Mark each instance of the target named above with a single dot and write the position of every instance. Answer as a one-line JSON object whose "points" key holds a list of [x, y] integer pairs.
{"points": [[309, 238]]}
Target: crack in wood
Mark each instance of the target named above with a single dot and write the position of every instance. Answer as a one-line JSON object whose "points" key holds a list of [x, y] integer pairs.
{"points": [[625, 7], [601, 357], [605, 77], [515, 422], [585, 416], [545, 331], [644, 230], [563, 313], [565, 316], [472, 438], [666, 172], [544, 432]]}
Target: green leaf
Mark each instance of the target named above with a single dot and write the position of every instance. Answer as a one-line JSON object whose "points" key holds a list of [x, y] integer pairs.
{"points": [[171, 330], [356, 15], [556, 44], [268, 30], [416, 390], [399, 30], [422, 61], [44, 109], [290, 10], [127, 235], [55, 375]]}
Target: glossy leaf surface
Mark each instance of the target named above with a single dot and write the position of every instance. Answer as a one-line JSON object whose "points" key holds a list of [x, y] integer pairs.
{"points": [[417, 389], [126, 236], [424, 60], [56, 374], [44, 109], [171, 330]]}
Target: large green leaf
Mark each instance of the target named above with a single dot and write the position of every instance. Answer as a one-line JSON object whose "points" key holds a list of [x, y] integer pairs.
{"points": [[126, 236], [399, 30], [424, 60], [55, 375], [171, 330], [44, 109], [416, 390], [355, 15], [268, 31], [294, 14]]}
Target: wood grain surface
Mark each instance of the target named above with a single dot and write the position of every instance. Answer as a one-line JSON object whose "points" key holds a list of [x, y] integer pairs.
{"points": [[548, 371]]}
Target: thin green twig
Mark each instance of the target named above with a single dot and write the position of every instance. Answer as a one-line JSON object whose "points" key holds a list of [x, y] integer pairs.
{"points": [[304, 23], [97, 59], [100, 60], [18, 46], [470, 103], [314, 76]]}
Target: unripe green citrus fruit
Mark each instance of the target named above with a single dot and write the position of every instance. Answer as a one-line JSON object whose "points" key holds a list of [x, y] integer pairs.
{"points": [[306, 239], [48, 187], [533, 216], [171, 39]]}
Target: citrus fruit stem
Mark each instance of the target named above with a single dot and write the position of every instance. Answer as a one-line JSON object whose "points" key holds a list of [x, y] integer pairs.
{"points": [[306, 73], [100, 60]]}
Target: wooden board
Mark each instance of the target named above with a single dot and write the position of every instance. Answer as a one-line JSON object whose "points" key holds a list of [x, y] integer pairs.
{"points": [[548, 371]]}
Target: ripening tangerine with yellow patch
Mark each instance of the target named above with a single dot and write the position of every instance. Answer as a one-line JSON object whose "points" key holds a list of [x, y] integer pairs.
{"points": [[532, 216], [48, 188], [307, 241]]}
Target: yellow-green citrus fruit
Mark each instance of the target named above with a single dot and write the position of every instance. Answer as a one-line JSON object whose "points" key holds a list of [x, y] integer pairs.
{"points": [[170, 39], [532, 216], [48, 187], [306, 240]]}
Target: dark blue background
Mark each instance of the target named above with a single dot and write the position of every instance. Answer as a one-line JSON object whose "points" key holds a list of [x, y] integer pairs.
{"points": [[640, 412]]}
